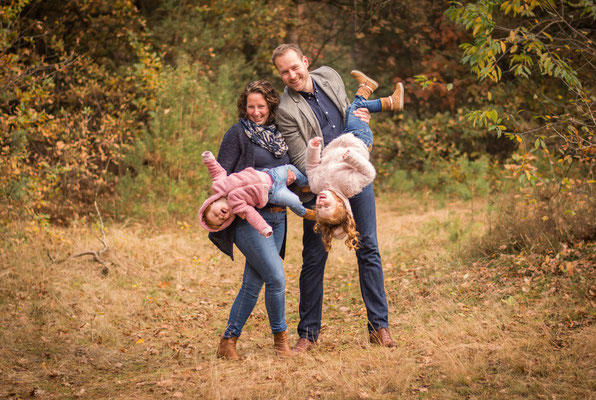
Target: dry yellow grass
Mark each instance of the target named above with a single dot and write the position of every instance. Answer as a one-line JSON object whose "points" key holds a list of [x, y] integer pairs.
{"points": [[149, 327]]}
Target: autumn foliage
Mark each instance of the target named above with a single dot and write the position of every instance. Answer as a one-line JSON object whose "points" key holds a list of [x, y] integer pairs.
{"points": [[114, 101]]}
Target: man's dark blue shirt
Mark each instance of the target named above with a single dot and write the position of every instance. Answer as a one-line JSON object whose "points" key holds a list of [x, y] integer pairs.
{"points": [[331, 120]]}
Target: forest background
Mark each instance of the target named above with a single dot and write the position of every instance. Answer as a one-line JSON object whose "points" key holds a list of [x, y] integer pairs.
{"points": [[111, 103], [114, 101]]}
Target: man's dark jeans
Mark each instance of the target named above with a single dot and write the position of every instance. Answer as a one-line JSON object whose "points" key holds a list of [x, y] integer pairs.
{"points": [[370, 269]]}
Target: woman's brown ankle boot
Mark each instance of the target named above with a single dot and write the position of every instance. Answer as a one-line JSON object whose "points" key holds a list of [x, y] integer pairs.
{"points": [[281, 346], [395, 102], [227, 348], [366, 85]]}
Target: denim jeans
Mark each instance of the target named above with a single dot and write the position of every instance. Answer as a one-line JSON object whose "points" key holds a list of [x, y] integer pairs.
{"points": [[370, 269], [263, 266], [355, 125], [280, 194]]}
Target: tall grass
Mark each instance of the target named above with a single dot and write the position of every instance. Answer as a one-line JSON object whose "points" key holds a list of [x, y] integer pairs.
{"points": [[149, 328]]}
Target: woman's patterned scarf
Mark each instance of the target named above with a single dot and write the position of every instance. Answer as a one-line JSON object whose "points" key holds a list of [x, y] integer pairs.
{"points": [[266, 136]]}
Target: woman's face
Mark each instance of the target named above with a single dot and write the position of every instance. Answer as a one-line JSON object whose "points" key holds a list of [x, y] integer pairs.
{"points": [[257, 109]]}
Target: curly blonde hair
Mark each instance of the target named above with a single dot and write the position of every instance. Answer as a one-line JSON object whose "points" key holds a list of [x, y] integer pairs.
{"points": [[341, 219]]}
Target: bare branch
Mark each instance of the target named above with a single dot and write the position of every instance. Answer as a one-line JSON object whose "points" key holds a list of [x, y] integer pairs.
{"points": [[96, 254]]}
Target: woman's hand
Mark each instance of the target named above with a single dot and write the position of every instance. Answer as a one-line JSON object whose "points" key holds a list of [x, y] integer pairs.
{"points": [[316, 141], [363, 114]]}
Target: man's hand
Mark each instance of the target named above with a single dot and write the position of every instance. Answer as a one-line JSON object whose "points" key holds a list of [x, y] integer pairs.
{"points": [[291, 178], [363, 114], [316, 141]]}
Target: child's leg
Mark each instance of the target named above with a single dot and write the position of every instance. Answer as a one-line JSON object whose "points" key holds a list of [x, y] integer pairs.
{"points": [[280, 194], [355, 125]]}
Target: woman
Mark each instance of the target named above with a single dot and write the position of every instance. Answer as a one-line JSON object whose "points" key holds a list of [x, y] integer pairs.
{"points": [[255, 142]]}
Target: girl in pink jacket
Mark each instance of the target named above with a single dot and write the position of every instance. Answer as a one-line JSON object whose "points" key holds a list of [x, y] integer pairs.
{"points": [[343, 168], [239, 193]]}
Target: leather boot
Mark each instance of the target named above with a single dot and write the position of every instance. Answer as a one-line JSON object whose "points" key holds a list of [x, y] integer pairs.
{"points": [[227, 348], [310, 215], [303, 345], [382, 337], [395, 102], [366, 85], [281, 346]]}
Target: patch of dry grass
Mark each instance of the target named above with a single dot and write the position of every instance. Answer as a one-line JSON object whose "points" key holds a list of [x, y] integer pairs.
{"points": [[149, 328]]}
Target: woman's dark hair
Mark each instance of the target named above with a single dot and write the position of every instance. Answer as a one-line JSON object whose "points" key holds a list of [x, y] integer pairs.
{"points": [[269, 93]]}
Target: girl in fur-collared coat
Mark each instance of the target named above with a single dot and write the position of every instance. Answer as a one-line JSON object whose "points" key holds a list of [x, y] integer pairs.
{"points": [[343, 168]]}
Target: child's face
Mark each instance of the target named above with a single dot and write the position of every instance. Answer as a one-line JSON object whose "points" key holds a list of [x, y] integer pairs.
{"points": [[326, 204], [219, 212]]}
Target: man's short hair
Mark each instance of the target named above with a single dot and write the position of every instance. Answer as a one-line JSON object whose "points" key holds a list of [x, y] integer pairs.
{"points": [[283, 49]]}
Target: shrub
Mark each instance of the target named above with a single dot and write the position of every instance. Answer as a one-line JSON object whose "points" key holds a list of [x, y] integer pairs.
{"points": [[540, 220]]}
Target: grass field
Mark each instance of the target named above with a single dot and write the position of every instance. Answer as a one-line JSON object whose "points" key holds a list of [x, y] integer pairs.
{"points": [[146, 326]]}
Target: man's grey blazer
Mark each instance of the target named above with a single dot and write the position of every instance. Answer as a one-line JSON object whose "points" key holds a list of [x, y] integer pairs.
{"points": [[297, 122]]}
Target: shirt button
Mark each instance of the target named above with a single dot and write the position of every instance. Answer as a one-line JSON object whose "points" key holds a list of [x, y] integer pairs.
{"points": [[326, 112], [333, 126]]}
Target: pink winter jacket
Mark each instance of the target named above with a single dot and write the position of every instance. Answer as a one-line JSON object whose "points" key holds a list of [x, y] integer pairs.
{"points": [[246, 190], [346, 176]]}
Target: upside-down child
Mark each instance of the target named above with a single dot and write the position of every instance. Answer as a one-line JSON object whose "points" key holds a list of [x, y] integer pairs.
{"points": [[343, 168], [239, 193]]}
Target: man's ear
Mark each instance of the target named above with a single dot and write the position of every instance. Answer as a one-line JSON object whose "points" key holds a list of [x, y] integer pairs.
{"points": [[305, 61]]}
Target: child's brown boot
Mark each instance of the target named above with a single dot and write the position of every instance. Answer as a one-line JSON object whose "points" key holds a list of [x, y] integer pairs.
{"points": [[366, 85], [311, 215], [395, 102]]}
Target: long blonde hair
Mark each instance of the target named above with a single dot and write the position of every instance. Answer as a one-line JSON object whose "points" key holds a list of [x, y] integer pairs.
{"points": [[341, 219]]}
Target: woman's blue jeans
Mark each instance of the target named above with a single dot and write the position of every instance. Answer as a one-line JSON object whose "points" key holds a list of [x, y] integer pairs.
{"points": [[263, 266], [355, 125]]}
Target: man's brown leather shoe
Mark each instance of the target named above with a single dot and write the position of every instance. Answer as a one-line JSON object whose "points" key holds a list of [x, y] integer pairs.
{"points": [[382, 337], [303, 345]]}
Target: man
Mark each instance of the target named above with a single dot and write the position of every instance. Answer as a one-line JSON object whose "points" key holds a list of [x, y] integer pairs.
{"points": [[314, 104]]}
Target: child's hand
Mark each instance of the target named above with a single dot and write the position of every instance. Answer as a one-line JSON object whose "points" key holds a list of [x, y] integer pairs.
{"points": [[267, 232], [346, 155], [291, 177], [207, 155], [316, 141]]}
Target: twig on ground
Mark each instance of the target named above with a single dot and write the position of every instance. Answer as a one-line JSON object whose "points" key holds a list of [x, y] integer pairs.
{"points": [[96, 254]]}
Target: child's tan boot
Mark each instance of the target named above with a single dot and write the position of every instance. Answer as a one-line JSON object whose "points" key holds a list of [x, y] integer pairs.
{"points": [[366, 85], [310, 215], [395, 102]]}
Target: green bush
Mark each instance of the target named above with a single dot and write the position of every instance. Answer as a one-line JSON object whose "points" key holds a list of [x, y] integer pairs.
{"points": [[460, 178]]}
